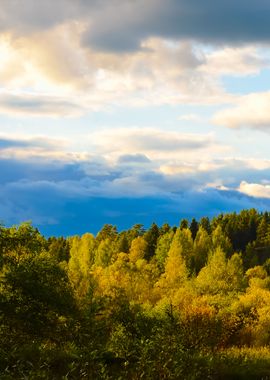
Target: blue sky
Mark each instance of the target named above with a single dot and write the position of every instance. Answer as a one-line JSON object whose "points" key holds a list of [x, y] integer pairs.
{"points": [[129, 112]]}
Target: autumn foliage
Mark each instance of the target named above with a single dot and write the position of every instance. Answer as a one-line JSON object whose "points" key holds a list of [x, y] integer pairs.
{"points": [[168, 302]]}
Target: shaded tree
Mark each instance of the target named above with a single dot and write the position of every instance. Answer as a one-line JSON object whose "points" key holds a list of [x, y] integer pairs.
{"points": [[151, 237], [194, 226]]}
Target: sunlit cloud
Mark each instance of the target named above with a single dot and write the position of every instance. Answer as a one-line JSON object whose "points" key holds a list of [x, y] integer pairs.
{"points": [[250, 111], [163, 73], [255, 189], [235, 61], [156, 144]]}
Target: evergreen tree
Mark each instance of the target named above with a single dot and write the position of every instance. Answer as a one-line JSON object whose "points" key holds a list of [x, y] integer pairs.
{"points": [[263, 232], [59, 248], [205, 224], [164, 229], [108, 231], [194, 226], [151, 237], [183, 224]]}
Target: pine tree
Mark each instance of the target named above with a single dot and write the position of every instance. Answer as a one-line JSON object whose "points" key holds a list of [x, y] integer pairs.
{"points": [[194, 226], [151, 237]]}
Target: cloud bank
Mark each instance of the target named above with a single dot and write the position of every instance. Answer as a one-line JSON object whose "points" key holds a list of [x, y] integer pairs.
{"points": [[122, 25], [82, 189]]}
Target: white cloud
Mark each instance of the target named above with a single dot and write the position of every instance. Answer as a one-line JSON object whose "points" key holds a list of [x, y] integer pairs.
{"points": [[42, 49], [156, 144], [162, 73], [235, 61], [255, 190], [258, 164], [38, 104], [250, 111]]}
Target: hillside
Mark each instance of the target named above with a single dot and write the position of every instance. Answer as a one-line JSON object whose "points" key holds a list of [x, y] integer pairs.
{"points": [[185, 302]]}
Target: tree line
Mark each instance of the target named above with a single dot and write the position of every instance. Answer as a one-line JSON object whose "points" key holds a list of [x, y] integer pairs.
{"points": [[167, 302]]}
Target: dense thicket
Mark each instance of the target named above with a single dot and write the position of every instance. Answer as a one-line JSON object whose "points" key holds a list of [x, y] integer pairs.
{"points": [[182, 302]]}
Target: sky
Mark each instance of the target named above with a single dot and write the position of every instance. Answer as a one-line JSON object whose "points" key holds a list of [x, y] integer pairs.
{"points": [[132, 111]]}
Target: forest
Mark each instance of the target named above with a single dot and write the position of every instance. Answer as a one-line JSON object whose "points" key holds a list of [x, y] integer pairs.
{"points": [[168, 302]]}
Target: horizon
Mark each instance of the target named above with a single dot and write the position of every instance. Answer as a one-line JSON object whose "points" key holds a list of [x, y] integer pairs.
{"points": [[144, 228]]}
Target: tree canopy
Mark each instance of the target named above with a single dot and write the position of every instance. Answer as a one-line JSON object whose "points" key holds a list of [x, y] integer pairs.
{"points": [[165, 302]]}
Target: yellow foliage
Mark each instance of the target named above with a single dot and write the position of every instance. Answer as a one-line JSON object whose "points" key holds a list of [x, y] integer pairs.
{"points": [[175, 274], [137, 249]]}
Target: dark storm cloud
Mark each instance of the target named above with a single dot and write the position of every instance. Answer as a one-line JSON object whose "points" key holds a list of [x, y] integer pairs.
{"points": [[56, 213], [75, 197], [211, 202], [14, 171], [121, 25]]}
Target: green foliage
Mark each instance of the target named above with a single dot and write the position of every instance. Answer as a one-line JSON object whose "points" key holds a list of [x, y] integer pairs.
{"points": [[163, 247], [194, 226], [166, 303], [104, 253], [219, 239], [151, 237], [221, 275], [59, 248], [183, 224], [202, 247], [176, 272], [205, 224], [82, 256], [35, 293]]}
